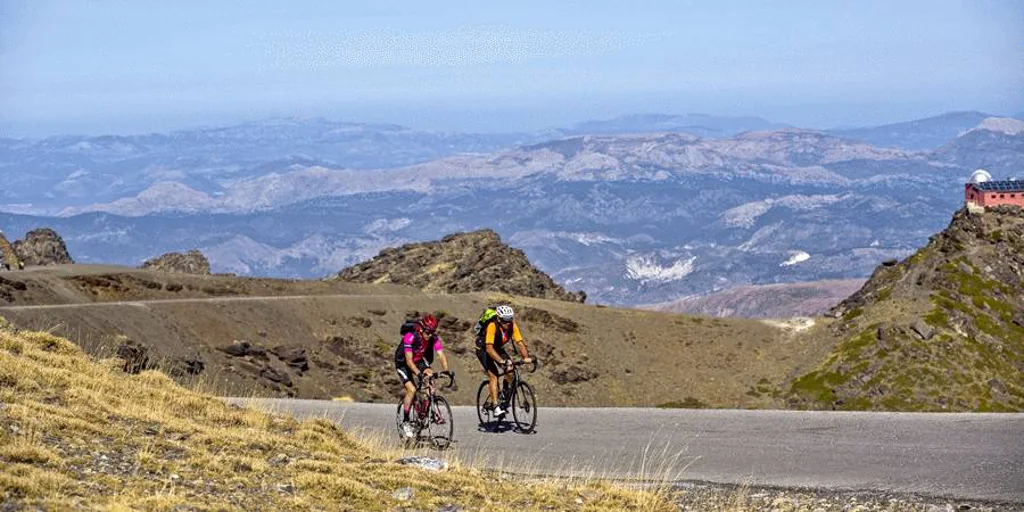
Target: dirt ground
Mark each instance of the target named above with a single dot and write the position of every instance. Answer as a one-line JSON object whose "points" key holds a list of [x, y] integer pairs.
{"points": [[318, 339]]}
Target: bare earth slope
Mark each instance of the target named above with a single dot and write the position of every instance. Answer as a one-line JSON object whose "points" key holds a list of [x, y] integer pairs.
{"points": [[460, 263], [327, 346], [942, 330]]}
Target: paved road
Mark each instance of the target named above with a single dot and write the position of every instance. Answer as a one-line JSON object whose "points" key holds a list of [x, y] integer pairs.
{"points": [[967, 456]]}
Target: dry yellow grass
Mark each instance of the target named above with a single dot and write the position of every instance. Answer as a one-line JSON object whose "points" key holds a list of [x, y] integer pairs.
{"points": [[75, 432]]}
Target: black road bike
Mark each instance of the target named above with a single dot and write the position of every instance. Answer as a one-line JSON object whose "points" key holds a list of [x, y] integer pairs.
{"points": [[517, 395], [430, 415]]}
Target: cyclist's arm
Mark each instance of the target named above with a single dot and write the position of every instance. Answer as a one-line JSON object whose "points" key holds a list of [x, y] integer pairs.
{"points": [[489, 335], [439, 350], [517, 337]]}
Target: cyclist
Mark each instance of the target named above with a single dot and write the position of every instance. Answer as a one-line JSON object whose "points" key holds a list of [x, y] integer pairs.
{"points": [[496, 328], [413, 358]]}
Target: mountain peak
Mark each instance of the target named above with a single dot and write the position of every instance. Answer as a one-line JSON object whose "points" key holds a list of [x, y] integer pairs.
{"points": [[1004, 125], [460, 263]]}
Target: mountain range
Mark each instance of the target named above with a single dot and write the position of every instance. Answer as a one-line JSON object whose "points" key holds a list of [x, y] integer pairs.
{"points": [[629, 218]]}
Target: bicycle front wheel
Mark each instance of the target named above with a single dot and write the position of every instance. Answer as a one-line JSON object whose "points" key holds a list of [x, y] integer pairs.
{"points": [[524, 408], [441, 425], [399, 419]]}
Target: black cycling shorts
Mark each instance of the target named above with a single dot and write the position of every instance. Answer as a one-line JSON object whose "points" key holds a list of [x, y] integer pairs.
{"points": [[405, 375], [489, 363]]}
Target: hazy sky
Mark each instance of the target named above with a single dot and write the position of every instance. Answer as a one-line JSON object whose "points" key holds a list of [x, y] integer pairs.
{"points": [[127, 66]]}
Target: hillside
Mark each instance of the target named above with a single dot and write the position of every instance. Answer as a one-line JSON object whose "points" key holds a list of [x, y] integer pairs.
{"points": [[766, 301], [326, 339], [460, 263], [80, 434], [942, 330]]}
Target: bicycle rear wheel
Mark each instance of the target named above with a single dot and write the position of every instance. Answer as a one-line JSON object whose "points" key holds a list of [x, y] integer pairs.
{"points": [[441, 424], [484, 405], [524, 408]]}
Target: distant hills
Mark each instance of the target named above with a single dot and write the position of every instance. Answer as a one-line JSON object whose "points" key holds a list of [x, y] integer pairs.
{"points": [[920, 134], [629, 218], [703, 125]]}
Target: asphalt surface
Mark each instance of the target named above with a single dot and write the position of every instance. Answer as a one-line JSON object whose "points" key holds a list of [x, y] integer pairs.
{"points": [[963, 456]]}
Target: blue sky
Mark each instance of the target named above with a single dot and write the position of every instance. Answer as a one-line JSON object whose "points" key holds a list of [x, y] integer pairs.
{"points": [[131, 66]]}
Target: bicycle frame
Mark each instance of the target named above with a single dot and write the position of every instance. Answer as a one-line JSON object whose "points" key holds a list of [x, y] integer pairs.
{"points": [[426, 392]]}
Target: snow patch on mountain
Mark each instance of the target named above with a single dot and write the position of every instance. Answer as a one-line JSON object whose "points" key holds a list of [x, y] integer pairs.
{"points": [[646, 269], [796, 257]]}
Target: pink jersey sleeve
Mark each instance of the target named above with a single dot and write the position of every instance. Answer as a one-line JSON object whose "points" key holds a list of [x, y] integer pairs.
{"points": [[438, 344], [407, 342]]}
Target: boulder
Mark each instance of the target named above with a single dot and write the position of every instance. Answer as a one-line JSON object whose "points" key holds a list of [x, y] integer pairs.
{"points": [[274, 375], [426, 463], [190, 365], [294, 357], [925, 331], [574, 374], [135, 356], [242, 348]]}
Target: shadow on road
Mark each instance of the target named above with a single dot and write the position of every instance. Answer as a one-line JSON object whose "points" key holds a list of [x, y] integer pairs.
{"points": [[500, 427]]}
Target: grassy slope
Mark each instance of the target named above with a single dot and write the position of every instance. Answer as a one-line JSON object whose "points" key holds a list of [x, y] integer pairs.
{"points": [[75, 432], [965, 284]]}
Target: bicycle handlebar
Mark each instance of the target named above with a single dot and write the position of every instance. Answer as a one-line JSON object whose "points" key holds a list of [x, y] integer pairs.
{"points": [[434, 376], [535, 363]]}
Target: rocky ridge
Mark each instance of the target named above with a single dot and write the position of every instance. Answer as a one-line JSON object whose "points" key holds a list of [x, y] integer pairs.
{"points": [[192, 262], [460, 263]]}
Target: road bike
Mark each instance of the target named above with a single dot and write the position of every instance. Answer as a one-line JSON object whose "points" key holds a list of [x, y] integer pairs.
{"points": [[518, 394], [430, 415]]}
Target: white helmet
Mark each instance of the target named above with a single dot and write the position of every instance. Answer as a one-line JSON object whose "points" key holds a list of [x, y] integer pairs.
{"points": [[505, 313]]}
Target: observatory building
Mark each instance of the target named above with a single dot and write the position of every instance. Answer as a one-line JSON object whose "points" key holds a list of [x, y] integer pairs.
{"points": [[982, 191]]}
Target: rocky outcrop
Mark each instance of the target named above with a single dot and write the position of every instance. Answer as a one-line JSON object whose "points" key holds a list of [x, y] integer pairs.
{"points": [[925, 333], [42, 247], [8, 258], [461, 263], [192, 262]]}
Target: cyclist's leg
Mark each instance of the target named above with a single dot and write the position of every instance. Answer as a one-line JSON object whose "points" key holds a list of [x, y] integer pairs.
{"points": [[424, 367], [410, 388], [508, 375], [491, 370]]}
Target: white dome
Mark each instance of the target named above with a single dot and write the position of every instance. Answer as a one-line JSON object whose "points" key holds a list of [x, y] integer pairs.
{"points": [[980, 176]]}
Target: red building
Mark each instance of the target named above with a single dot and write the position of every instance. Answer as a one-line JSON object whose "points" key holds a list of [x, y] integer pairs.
{"points": [[995, 193]]}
